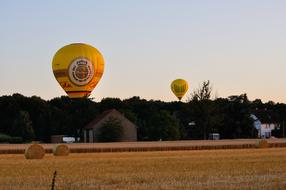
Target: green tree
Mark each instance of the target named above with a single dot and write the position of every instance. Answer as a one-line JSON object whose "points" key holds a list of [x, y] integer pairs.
{"points": [[110, 131], [40, 114], [22, 126], [203, 112], [203, 92], [143, 110], [8, 112], [71, 115], [163, 126], [110, 103], [237, 122]]}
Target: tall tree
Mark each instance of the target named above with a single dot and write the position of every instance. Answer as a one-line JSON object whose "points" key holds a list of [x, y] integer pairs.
{"points": [[22, 126], [162, 126], [203, 92], [203, 111], [110, 131], [237, 122]]}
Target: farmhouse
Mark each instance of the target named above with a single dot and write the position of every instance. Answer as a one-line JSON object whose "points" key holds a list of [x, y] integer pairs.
{"points": [[90, 131], [264, 128]]}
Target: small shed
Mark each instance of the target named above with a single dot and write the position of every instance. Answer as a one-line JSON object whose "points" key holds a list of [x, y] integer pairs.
{"points": [[57, 139], [91, 130]]}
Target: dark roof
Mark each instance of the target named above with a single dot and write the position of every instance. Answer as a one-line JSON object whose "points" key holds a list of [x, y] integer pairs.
{"points": [[99, 118], [266, 116]]}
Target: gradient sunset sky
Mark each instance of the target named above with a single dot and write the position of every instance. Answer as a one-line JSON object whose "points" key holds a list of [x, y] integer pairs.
{"points": [[240, 46]]}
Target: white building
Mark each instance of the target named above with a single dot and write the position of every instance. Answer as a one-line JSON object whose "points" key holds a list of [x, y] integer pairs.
{"points": [[264, 129]]}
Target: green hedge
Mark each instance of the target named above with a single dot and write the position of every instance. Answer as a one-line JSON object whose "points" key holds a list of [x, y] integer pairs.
{"points": [[16, 140], [8, 139]]}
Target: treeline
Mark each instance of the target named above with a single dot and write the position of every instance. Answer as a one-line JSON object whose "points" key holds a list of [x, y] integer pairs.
{"points": [[24, 119]]}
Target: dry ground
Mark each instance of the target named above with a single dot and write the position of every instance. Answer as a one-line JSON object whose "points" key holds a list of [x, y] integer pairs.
{"points": [[205, 169]]}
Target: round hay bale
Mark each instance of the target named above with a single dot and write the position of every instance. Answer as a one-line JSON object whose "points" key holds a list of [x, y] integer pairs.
{"points": [[34, 151], [262, 144], [61, 150]]}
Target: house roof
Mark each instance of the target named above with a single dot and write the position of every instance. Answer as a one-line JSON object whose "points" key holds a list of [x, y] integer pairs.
{"points": [[100, 117], [266, 116]]}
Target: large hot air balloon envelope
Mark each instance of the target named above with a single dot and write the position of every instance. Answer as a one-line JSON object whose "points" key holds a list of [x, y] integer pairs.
{"points": [[179, 88], [78, 68]]}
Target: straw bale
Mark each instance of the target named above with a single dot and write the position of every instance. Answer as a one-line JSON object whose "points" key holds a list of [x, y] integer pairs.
{"points": [[34, 151], [61, 150], [262, 144]]}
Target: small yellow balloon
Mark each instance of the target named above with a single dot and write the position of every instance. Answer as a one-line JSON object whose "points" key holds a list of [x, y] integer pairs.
{"points": [[179, 88], [78, 68]]}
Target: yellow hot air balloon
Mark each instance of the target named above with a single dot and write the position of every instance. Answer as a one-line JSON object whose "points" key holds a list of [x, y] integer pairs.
{"points": [[78, 68], [179, 88]]}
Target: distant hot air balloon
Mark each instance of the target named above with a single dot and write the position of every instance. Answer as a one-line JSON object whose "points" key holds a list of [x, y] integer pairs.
{"points": [[78, 68], [179, 88]]}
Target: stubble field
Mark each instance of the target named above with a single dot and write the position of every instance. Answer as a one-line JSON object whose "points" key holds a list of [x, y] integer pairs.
{"points": [[204, 169]]}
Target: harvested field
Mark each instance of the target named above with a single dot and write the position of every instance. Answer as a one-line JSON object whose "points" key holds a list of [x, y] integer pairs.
{"points": [[149, 146], [203, 169]]}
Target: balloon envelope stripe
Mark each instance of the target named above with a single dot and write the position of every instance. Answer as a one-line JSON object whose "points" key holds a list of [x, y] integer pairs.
{"points": [[60, 73]]}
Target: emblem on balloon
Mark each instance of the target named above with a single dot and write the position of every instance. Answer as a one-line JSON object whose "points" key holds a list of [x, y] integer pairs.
{"points": [[81, 71]]}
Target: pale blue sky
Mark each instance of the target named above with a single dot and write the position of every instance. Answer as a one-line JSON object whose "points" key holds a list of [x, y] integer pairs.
{"points": [[238, 45]]}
